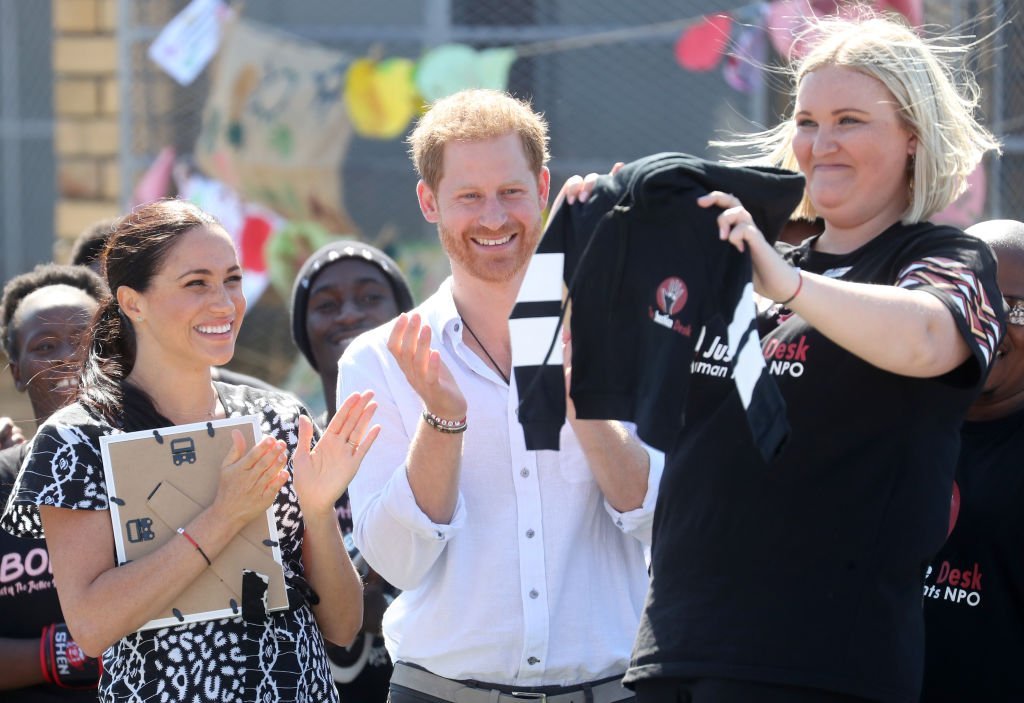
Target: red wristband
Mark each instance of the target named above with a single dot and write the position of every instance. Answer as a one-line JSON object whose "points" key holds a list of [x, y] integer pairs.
{"points": [[181, 531], [62, 661]]}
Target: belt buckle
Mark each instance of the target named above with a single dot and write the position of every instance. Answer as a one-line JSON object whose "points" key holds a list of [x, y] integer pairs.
{"points": [[530, 695]]}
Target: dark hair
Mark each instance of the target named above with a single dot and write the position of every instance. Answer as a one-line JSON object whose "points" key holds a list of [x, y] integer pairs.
{"points": [[90, 243], [138, 245], [43, 275]]}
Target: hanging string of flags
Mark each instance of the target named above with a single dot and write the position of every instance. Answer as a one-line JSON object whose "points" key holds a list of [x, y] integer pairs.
{"points": [[383, 95], [281, 111]]}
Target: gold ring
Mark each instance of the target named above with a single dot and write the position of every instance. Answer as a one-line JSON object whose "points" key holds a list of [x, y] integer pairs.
{"points": [[354, 445]]}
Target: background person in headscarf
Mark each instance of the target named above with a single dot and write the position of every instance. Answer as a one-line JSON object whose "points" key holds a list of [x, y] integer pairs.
{"points": [[341, 291]]}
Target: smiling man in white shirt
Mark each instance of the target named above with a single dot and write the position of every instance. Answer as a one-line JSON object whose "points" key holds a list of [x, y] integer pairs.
{"points": [[522, 572]]}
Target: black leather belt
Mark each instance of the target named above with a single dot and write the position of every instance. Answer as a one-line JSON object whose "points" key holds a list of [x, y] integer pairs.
{"points": [[417, 679]]}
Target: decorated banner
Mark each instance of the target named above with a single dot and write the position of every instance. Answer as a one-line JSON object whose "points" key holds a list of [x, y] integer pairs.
{"points": [[275, 127]]}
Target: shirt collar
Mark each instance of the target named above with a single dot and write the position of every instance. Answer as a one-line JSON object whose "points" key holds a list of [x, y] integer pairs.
{"points": [[440, 313]]}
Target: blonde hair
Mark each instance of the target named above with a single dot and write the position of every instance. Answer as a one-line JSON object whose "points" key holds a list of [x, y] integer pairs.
{"points": [[936, 100], [474, 115]]}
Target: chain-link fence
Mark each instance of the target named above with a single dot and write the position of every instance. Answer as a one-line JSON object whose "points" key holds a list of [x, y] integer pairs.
{"points": [[27, 177], [999, 68], [604, 72]]}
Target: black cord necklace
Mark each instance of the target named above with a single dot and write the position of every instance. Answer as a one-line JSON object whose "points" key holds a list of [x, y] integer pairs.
{"points": [[487, 354]]}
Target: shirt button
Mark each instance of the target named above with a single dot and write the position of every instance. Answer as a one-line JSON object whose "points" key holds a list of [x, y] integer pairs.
{"points": [[456, 326], [533, 593], [524, 472], [619, 522], [530, 534], [533, 661], [440, 535]]}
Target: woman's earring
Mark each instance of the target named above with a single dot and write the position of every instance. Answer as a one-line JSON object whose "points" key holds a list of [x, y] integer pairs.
{"points": [[911, 166]]}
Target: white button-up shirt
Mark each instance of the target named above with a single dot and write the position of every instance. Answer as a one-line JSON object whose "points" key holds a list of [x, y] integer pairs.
{"points": [[536, 580]]}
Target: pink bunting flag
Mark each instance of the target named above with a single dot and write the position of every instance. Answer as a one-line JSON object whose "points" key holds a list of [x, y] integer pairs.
{"points": [[700, 46], [156, 181]]}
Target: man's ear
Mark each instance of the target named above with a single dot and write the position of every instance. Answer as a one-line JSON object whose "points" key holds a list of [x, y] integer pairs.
{"points": [[130, 302], [428, 202], [544, 186]]}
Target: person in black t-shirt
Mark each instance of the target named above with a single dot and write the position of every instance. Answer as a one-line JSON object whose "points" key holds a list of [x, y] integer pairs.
{"points": [[43, 315], [974, 588], [800, 579]]}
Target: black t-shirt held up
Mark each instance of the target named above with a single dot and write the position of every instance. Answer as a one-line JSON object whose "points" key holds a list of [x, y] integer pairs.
{"points": [[807, 571], [645, 269]]}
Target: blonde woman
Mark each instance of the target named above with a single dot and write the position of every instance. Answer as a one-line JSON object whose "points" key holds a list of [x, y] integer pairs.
{"points": [[800, 580]]}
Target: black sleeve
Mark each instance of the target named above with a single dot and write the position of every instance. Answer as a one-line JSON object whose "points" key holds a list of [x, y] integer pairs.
{"points": [[960, 270]]}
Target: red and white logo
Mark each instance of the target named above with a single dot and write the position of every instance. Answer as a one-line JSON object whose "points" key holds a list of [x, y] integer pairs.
{"points": [[670, 298], [672, 295], [76, 657]]}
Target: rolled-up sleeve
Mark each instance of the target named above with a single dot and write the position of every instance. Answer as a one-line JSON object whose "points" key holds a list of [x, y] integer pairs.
{"points": [[639, 522], [390, 530], [403, 541]]}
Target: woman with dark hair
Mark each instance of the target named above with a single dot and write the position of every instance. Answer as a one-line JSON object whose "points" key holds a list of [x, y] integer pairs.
{"points": [[341, 291], [43, 316], [174, 312], [88, 251]]}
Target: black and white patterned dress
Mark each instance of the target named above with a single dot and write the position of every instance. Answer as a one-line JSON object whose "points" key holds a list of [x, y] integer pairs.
{"points": [[229, 660]]}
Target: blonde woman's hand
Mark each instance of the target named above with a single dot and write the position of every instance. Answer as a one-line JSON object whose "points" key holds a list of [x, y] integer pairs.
{"points": [[773, 277], [320, 475]]}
